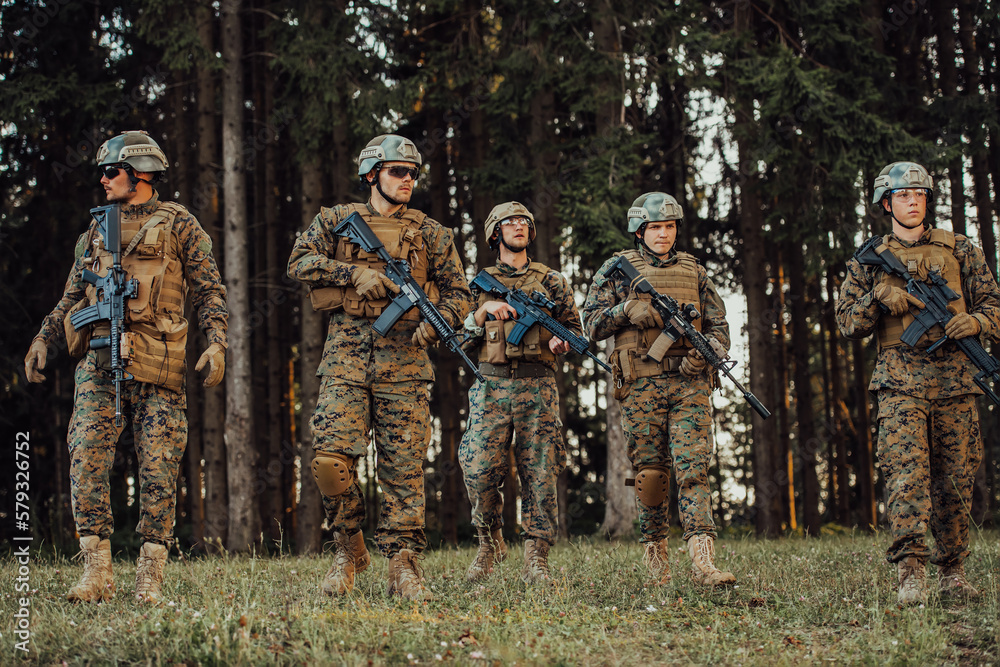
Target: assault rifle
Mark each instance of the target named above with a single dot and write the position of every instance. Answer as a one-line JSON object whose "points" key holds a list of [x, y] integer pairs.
{"points": [[936, 296], [113, 290], [355, 229], [530, 312], [677, 323]]}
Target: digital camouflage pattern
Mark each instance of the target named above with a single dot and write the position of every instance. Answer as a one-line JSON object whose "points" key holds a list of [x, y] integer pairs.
{"points": [[353, 351], [668, 421], [668, 418], [399, 413], [929, 441], [157, 414], [159, 423], [201, 275], [918, 497], [519, 414], [377, 384], [903, 368]]}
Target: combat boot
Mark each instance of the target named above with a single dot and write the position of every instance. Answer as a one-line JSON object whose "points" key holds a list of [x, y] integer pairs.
{"points": [[406, 577], [149, 573], [952, 582], [350, 557], [97, 583], [536, 562], [701, 549], [492, 549], [912, 581], [657, 561]]}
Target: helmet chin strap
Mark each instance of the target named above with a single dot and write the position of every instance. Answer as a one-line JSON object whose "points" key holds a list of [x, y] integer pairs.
{"points": [[378, 186], [135, 180], [892, 214]]}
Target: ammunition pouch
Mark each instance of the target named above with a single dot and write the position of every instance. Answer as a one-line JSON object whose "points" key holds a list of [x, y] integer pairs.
{"points": [[77, 341], [327, 298]]}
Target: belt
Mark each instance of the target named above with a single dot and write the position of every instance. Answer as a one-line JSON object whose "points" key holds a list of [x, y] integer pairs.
{"points": [[516, 370]]}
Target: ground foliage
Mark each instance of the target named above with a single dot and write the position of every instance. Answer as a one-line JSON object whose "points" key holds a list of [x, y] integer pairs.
{"points": [[798, 601]]}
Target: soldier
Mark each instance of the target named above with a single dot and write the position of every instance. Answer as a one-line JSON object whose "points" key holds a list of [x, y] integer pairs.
{"points": [[166, 250], [929, 443], [518, 397], [666, 412], [372, 383]]}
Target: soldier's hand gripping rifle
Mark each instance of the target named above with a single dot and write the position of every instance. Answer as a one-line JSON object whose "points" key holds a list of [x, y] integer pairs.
{"points": [[410, 294], [113, 290], [677, 323], [530, 312], [936, 296]]}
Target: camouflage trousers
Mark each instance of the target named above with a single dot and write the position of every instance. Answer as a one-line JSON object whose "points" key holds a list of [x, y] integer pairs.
{"points": [[520, 414], [667, 420], [159, 423], [397, 414], [929, 451]]}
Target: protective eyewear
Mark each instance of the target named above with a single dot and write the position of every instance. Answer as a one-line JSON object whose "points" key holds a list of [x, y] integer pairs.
{"points": [[111, 171], [910, 195], [401, 172], [516, 220]]}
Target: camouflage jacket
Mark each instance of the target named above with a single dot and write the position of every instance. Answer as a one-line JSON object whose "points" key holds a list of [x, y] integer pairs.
{"points": [[559, 291], [201, 277], [354, 351], [604, 311], [944, 374]]}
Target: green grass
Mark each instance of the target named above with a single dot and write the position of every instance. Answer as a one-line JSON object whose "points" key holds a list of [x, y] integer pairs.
{"points": [[827, 600]]}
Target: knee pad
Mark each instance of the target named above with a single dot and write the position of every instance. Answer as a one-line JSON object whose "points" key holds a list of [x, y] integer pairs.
{"points": [[334, 473], [652, 485]]}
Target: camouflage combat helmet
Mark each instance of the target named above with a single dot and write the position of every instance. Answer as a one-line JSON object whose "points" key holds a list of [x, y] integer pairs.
{"points": [[653, 207], [134, 148], [501, 212], [900, 175], [387, 148]]}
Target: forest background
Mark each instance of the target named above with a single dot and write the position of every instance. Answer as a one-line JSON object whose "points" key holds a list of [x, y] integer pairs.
{"points": [[767, 119]]}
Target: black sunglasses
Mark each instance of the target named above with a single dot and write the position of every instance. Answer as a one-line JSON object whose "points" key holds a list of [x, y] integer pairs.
{"points": [[400, 172], [111, 171]]}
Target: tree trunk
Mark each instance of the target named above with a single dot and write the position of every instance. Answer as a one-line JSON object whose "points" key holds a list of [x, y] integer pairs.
{"points": [[808, 443], [309, 520], [620, 511], [839, 463], [946, 29], [865, 469], [786, 482], [205, 204], [244, 520]]}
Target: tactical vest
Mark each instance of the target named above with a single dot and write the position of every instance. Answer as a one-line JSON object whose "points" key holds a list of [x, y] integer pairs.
{"points": [[678, 280], [937, 255], [155, 337], [534, 346], [403, 240]]}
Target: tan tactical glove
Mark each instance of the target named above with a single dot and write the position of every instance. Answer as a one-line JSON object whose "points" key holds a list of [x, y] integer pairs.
{"points": [[643, 315], [35, 359], [962, 325], [424, 336], [215, 357], [897, 300], [694, 363], [372, 284]]}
